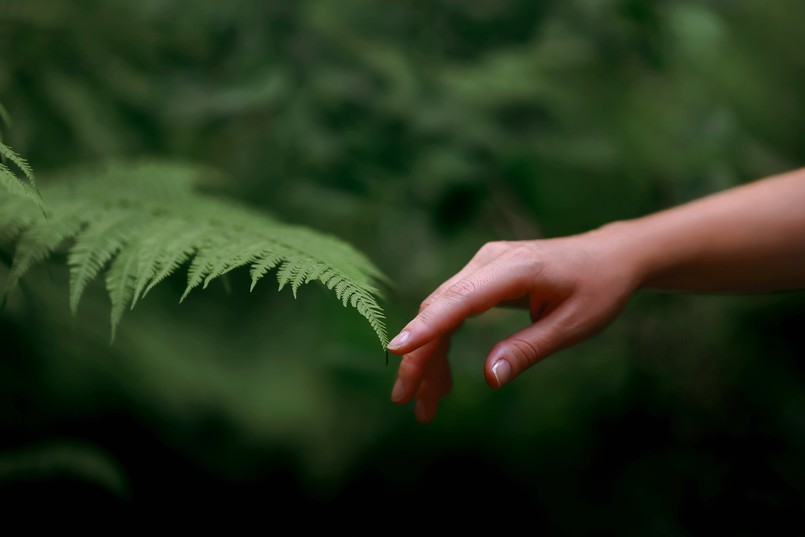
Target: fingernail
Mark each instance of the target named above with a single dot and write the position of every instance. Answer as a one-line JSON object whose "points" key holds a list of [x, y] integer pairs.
{"points": [[502, 371], [401, 339], [398, 391]]}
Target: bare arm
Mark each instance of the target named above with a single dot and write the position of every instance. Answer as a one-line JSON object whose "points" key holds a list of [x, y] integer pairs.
{"points": [[750, 238]]}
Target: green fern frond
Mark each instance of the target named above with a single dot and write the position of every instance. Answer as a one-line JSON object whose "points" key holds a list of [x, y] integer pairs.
{"points": [[220, 255], [163, 250], [41, 238], [120, 284], [8, 154], [106, 233], [14, 186], [262, 265], [15, 217], [142, 222], [9, 180]]}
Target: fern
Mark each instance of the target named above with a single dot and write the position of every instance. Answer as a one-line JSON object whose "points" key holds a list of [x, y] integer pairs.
{"points": [[141, 222], [13, 184], [8, 179]]}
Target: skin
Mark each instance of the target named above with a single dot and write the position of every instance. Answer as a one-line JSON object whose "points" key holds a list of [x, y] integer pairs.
{"points": [[747, 239]]}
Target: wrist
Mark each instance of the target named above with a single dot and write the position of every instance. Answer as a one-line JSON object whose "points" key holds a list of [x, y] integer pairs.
{"points": [[623, 243]]}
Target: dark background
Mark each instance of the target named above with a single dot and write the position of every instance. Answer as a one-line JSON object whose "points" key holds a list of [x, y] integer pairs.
{"points": [[417, 131]]}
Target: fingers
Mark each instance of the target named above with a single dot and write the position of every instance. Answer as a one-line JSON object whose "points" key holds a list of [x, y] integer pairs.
{"points": [[498, 273], [413, 368], [436, 385], [424, 374], [557, 330], [508, 277], [485, 255]]}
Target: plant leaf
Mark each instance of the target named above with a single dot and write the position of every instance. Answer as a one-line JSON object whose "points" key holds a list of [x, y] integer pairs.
{"points": [[141, 222]]}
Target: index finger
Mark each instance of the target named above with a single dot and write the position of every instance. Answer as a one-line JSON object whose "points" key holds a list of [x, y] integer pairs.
{"points": [[507, 278], [486, 254]]}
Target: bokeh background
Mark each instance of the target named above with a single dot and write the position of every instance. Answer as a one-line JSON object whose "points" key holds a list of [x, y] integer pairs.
{"points": [[416, 130]]}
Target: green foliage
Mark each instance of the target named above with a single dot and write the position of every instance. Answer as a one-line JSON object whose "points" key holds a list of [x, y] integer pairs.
{"points": [[143, 221], [416, 130], [11, 182]]}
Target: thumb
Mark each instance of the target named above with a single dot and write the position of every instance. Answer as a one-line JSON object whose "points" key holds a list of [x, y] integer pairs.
{"points": [[525, 348]]}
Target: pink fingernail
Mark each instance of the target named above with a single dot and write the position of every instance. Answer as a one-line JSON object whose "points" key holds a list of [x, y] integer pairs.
{"points": [[502, 371], [401, 339], [398, 391]]}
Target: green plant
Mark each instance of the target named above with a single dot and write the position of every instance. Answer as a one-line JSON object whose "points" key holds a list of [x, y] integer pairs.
{"points": [[8, 179], [139, 222]]}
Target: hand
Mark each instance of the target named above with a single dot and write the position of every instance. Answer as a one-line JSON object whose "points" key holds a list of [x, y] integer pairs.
{"points": [[749, 238], [573, 287]]}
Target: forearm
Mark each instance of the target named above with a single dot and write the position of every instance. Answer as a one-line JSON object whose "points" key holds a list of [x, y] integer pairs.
{"points": [[750, 238]]}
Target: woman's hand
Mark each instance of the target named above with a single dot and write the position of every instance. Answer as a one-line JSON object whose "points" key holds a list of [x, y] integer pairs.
{"points": [[749, 238], [573, 287]]}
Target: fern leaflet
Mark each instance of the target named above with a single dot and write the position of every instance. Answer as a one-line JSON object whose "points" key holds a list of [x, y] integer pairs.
{"points": [[9, 180]]}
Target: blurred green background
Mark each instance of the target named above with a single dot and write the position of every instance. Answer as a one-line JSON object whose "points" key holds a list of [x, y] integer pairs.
{"points": [[416, 130]]}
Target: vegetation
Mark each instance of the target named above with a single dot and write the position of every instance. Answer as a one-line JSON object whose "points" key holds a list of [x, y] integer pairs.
{"points": [[415, 131], [145, 221]]}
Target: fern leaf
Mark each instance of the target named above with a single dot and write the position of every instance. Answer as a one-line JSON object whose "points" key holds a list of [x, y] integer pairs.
{"points": [[234, 255], [228, 252], [334, 253], [162, 251], [145, 220], [16, 215], [8, 178], [38, 241], [17, 188], [6, 153], [262, 265], [11, 183], [299, 271], [212, 251], [95, 245], [120, 283], [291, 272]]}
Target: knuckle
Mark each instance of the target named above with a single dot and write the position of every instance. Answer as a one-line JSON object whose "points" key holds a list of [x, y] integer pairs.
{"points": [[493, 248], [426, 304], [526, 256], [428, 318], [461, 290], [521, 253]]}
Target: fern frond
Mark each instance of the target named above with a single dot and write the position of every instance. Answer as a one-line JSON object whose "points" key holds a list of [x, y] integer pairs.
{"points": [[106, 233], [144, 221], [6, 153], [163, 250], [262, 265], [219, 255], [16, 215], [9, 180], [14, 186], [41, 238], [120, 284]]}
